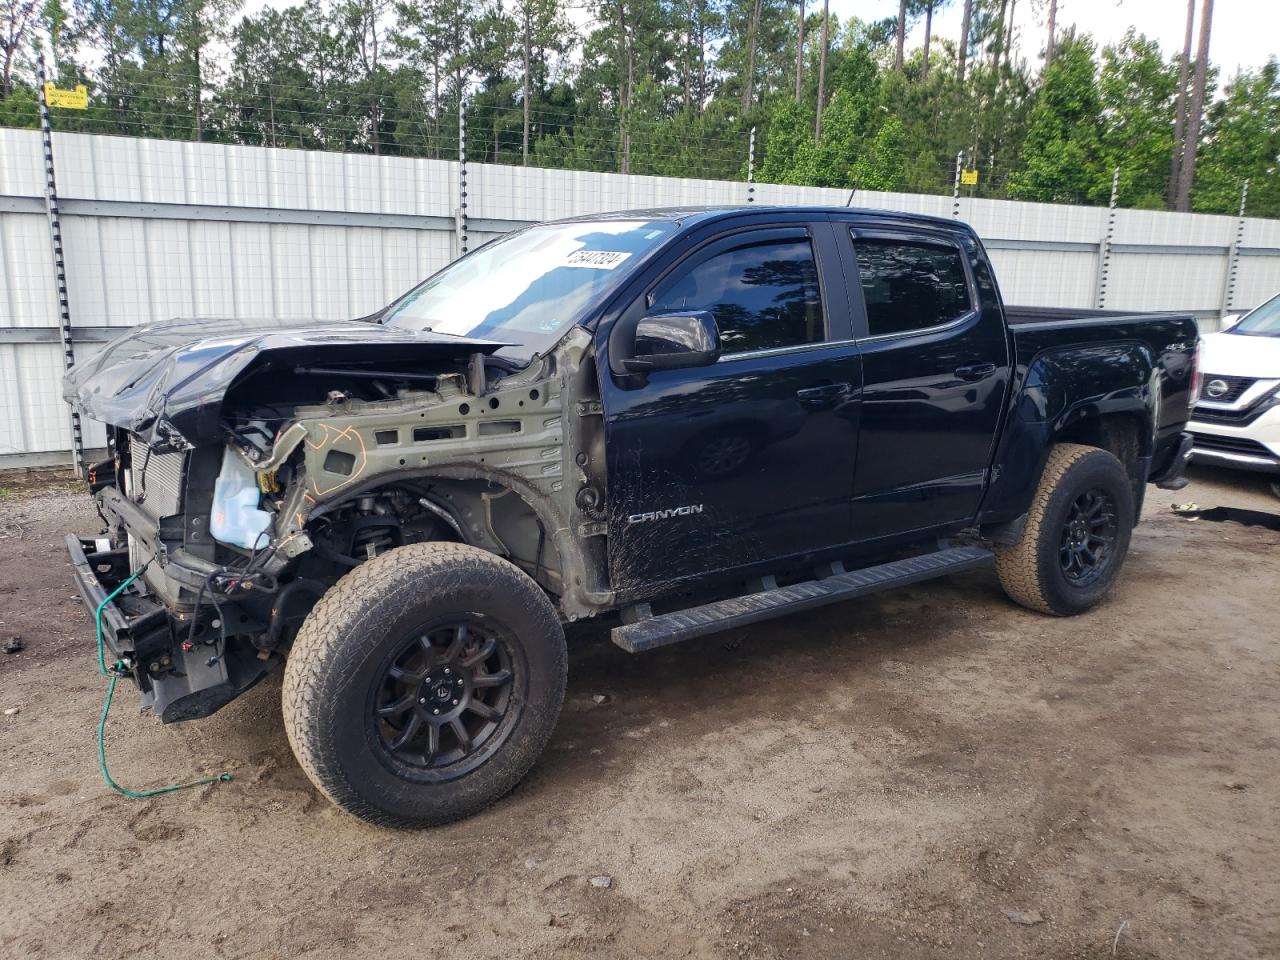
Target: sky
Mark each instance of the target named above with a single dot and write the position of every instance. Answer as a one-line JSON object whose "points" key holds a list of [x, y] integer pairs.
{"points": [[1243, 35]]}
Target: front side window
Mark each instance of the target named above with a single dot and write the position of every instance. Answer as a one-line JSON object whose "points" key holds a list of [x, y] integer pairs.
{"points": [[910, 286], [762, 295]]}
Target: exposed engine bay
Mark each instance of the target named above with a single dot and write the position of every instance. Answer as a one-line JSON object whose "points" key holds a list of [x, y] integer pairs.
{"points": [[321, 460]]}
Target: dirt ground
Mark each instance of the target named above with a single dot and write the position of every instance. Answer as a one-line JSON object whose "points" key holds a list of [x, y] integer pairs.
{"points": [[885, 778]]}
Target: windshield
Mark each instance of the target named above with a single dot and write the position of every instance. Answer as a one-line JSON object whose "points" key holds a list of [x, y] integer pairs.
{"points": [[528, 288], [1264, 321]]}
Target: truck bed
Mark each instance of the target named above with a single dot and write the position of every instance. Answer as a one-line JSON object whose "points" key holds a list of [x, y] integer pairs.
{"points": [[1167, 336], [1022, 315], [1106, 355]]}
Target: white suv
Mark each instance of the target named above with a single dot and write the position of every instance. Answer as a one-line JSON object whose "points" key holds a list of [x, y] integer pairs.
{"points": [[1236, 422]]}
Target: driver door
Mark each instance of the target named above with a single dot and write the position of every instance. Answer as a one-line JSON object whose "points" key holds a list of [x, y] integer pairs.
{"points": [[750, 458]]}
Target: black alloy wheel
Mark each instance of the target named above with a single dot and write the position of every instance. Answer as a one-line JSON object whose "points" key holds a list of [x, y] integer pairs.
{"points": [[444, 700], [1088, 537], [424, 684]]}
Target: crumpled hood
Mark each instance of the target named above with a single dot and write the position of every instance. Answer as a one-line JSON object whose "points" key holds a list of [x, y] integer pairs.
{"points": [[166, 381]]}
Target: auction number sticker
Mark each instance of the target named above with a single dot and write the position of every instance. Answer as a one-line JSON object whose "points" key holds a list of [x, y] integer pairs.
{"points": [[596, 259]]}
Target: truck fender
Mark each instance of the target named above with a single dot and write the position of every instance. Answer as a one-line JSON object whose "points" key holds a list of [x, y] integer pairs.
{"points": [[1063, 395]]}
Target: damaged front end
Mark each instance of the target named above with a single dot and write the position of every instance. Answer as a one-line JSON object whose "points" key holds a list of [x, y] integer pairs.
{"points": [[250, 469], [191, 627]]}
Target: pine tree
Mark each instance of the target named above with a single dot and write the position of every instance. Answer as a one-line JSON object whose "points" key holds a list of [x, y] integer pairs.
{"points": [[1062, 152], [1136, 88], [1243, 143]]}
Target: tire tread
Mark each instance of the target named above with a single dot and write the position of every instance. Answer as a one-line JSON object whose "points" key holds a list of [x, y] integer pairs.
{"points": [[322, 650], [1018, 565]]}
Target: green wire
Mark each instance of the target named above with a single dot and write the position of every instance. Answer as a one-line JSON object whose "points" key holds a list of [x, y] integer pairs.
{"points": [[97, 618], [106, 707]]}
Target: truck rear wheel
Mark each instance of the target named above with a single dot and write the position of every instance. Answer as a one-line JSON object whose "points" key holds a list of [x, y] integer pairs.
{"points": [[424, 685], [1076, 535]]}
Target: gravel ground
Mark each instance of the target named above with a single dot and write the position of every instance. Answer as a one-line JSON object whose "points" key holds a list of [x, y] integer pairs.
{"points": [[931, 773]]}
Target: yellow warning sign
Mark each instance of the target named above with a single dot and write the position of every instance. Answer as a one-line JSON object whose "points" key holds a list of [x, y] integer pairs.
{"points": [[969, 178], [77, 99]]}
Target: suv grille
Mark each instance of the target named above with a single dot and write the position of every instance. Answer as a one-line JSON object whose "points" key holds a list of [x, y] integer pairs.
{"points": [[1212, 411], [1236, 386], [1230, 418]]}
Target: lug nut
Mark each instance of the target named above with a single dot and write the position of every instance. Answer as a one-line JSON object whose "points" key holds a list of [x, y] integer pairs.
{"points": [[436, 710], [458, 681], [446, 669], [455, 703], [423, 700]]}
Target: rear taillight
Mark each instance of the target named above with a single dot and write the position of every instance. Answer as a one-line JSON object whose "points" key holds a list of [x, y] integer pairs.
{"points": [[1196, 377]]}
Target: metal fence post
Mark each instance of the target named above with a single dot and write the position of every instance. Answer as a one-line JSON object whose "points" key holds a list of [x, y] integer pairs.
{"points": [[1233, 255], [955, 190], [751, 167], [59, 261], [1104, 248], [461, 222]]}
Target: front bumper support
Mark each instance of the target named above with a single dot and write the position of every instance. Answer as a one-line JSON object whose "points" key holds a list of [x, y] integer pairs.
{"points": [[98, 570], [178, 680]]}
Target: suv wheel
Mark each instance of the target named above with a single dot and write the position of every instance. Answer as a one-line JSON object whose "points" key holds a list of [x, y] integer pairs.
{"points": [[1076, 536], [424, 685]]}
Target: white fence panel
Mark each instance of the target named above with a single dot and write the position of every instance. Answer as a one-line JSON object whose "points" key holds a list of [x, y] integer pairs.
{"points": [[155, 229], [26, 266], [1057, 278]]}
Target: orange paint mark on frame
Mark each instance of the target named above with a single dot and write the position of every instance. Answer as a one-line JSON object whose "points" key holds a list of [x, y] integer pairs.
{"points": [[331, 437]]}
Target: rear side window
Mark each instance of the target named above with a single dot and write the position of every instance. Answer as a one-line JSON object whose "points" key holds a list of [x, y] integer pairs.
{"points": [[910, 286], [762, 296]]}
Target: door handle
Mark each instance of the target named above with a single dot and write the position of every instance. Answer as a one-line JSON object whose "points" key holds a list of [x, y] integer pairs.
{"points": [[975, 371], [822, 395]]}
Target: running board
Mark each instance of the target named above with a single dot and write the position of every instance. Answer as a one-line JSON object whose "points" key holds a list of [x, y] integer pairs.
{"points": [[739, 611]]}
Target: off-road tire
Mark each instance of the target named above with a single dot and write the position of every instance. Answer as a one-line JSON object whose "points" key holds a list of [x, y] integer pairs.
{"points": [[338, 657], [1030, 570]]}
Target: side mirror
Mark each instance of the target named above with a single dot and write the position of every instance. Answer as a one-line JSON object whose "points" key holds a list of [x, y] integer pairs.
{"points": [[667, 341]]}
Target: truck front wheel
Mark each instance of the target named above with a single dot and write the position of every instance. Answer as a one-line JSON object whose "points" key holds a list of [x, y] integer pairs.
{"points": [[1076, 535], [424, 685]]}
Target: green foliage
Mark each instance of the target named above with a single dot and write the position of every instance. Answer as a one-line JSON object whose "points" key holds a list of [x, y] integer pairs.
{"points": [[21, 108], [661, 87], [1243, 142], [775, 39], [882, 166], [1136, 88], [1061, 156], [844, 130], [789, 149]]}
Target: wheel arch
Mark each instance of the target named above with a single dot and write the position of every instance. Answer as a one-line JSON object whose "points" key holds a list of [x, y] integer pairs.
{"points": [[1103, 396], [497, 511]]}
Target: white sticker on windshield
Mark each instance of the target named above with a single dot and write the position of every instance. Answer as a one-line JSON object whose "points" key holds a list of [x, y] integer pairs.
{"points": [[596, 259]]}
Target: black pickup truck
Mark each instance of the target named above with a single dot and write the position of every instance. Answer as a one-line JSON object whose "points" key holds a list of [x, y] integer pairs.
{"points": [[687, 420]]}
